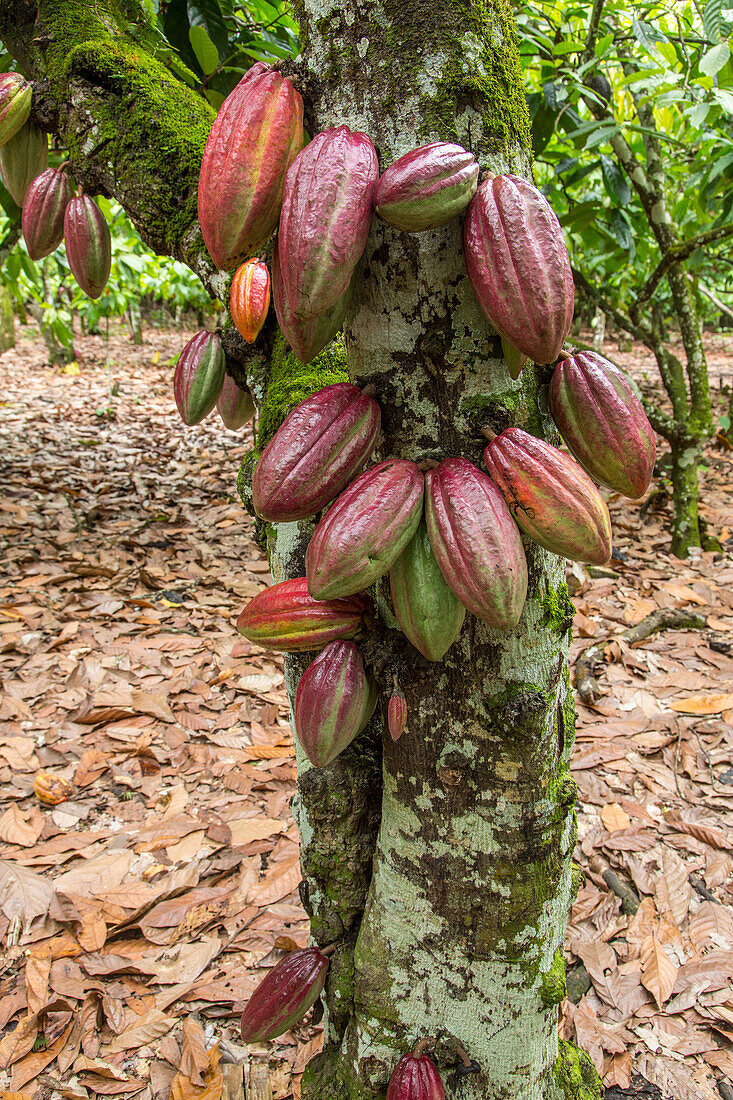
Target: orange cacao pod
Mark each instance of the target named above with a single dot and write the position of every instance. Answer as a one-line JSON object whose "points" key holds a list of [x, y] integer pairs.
{"points": [[249, 298], [51, 789]]}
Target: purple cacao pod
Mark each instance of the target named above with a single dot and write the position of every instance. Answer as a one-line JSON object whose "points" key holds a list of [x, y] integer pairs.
{"points": [[427, 187], [199, 377], [306, 337], [315, 453], [88, 244], [22, 158], [15, 104], [235, 406], [324, 223], [415, 1078], [426, 609], [476, 542], [286, 617], [552, 499], [396, 715], [518, 265], [334, 701], [284, 996], [42, 219], [603, 423], [254, 140], [365, 530]]}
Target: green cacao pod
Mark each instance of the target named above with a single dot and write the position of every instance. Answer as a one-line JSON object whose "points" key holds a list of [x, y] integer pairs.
{"points": [[22, 158], [334, 701], [15, 104], [283, 997], [88, 244], [426, 609], [199, 377], [286, 617], [43, 212]]}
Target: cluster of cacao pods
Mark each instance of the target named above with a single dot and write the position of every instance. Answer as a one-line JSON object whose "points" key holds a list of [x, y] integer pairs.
{"points": [[200, 382], [51, 212]]}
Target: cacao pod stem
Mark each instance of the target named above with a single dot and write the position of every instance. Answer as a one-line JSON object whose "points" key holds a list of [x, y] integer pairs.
{"points": [[488, 433]]}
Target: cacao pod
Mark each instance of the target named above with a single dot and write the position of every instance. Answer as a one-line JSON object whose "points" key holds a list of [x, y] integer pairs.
{"points": [[249, 298], [603, 423], [427, 187], [516, 360], [306, 337], [519, 267], [284, 996], [235, 406], [476, 542], [15, 104], [88, 245], [42, 219], [254, 140], [315, 453], [334, 701], [396, 715], [324, 223], [415, 1078], [199, 376], [552, 499], [365, 530], [51, 789], [22, 158], [426, 609], [287, 618]]}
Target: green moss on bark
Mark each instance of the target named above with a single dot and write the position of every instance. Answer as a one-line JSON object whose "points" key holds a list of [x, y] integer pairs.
{"points": [[575, 1075], [553, 986]]}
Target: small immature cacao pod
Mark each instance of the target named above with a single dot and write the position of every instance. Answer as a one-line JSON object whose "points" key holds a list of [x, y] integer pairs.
{"points": [[427, 187], [15, 104], [334, 701], [603, 423], [396, 715], [23, 158], [51, 789], [287, 618], [315, 453], [88, 245], [552, 499], [249, 298], [199, 376], [415, 1079], [45, 204], [426, 609], [235, 406], [283, 997]]}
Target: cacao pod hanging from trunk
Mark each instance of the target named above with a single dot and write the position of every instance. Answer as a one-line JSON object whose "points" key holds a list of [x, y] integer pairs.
{"points": [[235, 406], [309, 336], [88, 244], [396, 715], [518, 265], [15, 104], [45, 204], [22, 158], [249, 298], [603, 423], [365, 530], [315, 453], [334, 701], [426, 609], [254, 140], [199, 377], [476, 542], [286, 617], [415, 1077], [427, 187], [552, 499], [284, 996]]}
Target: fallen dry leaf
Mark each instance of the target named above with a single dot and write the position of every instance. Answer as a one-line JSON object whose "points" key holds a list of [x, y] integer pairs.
{"points": [[658, 972]]}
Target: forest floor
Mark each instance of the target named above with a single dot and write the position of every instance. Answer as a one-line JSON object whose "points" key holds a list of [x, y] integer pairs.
{"points": [[136, 915]]}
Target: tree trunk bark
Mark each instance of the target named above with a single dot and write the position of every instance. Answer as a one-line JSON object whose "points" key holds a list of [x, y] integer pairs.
{"points": [[685, 495]]}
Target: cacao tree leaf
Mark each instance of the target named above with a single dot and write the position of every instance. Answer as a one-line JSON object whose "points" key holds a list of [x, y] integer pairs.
{"points": [[208, 14], [711, 17], [713, 61], [206, 52], [615, 180], [622, 231]]}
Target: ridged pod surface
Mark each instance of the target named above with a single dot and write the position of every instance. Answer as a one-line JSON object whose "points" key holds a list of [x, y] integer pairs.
{"points": [[334, 701], [427, 187], [552, 499], [88, 244], [284, 996], [476, 542], [22, 158], [42, 219], [254, 140], [415, 1079], [603, 423], [518, 265], [324, 223], [15, 104], [286, 617], [249, 298], [315, 453], [199, 376], [235, 406], [306, 337], [365, 530], [396, 715], [426, 609]]}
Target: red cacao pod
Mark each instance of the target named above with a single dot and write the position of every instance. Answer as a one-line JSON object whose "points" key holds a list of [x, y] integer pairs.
{"points": [[334, 701], [603, 423], [254, 140], [88, 244], [415, 1079], [396, 715], [518, 266], [235, 406], [42, 219], [552, 499], [199, 377], [22, 158], [315, 453], [306, 337], [426, 609], [284, 996], [15, 104], [365, 530], [476, 542], [427, 187], [286, 617], [249, 298]]}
